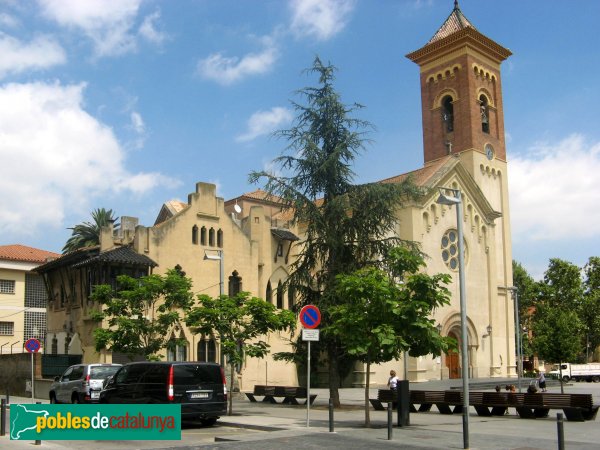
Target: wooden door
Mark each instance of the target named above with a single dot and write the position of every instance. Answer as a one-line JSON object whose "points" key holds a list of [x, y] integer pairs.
{"points": [[452, 364]]}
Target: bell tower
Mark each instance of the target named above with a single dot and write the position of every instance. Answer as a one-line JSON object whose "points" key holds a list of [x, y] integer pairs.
{"points": [[461, 92]]}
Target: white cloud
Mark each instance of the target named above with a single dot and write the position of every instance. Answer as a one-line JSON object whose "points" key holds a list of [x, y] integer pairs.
{"points": [[226, 70], [265, 122], [107, 23], [57, 158], [554, 192], [137, 123], [148, 29], [321, 19], [6, 20], [17, 57]]}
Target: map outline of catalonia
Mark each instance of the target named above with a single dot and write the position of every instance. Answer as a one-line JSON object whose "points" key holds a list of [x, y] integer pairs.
{"points": [[13, 422]]}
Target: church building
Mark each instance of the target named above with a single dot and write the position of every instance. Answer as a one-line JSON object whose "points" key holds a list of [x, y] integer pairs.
{"points": [[248, 243]]}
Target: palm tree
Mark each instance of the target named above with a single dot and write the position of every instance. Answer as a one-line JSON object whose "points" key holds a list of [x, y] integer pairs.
{"points": [[87, 234]]}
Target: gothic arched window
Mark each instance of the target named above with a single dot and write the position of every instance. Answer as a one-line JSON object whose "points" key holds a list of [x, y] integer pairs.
{"points": [[279, 296], [269, 293], [195, 235]]}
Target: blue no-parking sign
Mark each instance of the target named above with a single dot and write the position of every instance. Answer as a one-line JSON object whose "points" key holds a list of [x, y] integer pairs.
{"points": [[32, 345], [310, 316]]}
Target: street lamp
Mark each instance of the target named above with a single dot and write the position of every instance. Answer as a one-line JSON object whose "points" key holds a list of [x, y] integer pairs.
{"points": [[449, 200], [515, 294], [217, 255]]}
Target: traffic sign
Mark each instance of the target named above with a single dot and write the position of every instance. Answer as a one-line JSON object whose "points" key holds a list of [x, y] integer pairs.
{"points": [[32, 345], [310, 335], [310, 316]]}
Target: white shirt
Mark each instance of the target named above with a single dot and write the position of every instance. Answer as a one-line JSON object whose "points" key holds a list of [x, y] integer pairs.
{"points": [[393, 382]]}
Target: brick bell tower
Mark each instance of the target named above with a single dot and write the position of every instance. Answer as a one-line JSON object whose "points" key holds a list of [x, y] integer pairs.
{"points": [[461, 93]]}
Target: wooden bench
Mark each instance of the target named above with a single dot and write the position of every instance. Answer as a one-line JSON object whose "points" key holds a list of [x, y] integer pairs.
{"points": [[290, 394], [494, 403], [576, 407], [447, 402], [384, 396]]}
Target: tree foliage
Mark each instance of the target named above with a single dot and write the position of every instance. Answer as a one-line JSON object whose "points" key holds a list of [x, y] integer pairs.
{"points": [[557, 334], [240, 323], [87, 234], [345, 225], [141, 313], [382, 317], [590, 307]]}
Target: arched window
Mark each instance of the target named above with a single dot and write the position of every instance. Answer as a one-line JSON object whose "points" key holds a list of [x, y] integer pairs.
{"points": [[269, 293], [211, 237], [290, 298], [54, 345], [207, 350], [279, 295], [220, 238], [235, 284], [485, 114], [195, 235], [67, 342], [448, 113], [203, 236]]}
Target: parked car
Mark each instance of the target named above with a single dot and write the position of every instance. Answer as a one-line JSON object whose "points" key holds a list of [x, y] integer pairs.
{"points": [[81, 383], [199, 387]]}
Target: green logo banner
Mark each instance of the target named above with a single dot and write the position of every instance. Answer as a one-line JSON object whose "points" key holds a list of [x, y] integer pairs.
{"points": [[95, 422]]}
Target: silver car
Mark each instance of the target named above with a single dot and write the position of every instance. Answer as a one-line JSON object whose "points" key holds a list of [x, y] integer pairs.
{"points": [[81, 383]]}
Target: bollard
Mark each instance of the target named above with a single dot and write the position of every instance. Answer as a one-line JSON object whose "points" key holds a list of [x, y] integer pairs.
{"points": [[390, 422], [331, 415], [403, 401], [561, 432], [38, 441], [2, 417]]}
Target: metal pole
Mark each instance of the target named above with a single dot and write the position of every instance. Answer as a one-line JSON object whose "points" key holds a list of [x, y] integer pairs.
{"points": [[38, 441], [2, 417], [32, 381], [519, 363], [463, 319], [308, 388], [389, 421], [560, 430], [222, 292]]}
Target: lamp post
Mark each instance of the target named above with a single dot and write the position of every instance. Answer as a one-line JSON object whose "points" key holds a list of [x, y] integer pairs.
{"points": [[449, 200], [515, 295], [217, 255]]}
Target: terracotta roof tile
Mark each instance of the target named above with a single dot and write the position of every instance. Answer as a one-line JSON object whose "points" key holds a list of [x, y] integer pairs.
{"points": [[19, 252], [420, 177], [456, 21]]}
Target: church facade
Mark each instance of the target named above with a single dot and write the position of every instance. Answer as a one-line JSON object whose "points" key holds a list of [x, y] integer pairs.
{"points": [[247, 243]]}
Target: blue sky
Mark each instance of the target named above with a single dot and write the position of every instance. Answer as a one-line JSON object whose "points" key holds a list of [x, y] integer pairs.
{"points": [[127, 104]]}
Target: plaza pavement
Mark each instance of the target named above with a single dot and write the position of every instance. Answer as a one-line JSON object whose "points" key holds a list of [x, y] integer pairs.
{"points": [[279, 426]]}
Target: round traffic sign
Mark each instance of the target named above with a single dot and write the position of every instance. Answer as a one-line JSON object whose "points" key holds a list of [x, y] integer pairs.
{"points": [[32, 345], [310, 316]]}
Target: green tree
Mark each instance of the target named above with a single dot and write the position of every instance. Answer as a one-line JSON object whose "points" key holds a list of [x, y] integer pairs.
{"points": [[346, 225], [239, 323], [141, 313], [87, 234], [382, 318], [557, 335], [590, 308], [528, 291], [562, 286]]}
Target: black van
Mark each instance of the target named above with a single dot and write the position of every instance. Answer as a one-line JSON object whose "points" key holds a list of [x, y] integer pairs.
{"points": [[199, 387]]}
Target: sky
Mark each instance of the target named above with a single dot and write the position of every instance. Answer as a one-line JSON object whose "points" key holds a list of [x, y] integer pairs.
{"points": [[126, 104]]}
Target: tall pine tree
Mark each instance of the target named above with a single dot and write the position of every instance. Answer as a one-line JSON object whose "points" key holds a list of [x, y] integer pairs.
{"points": [[345, 225]]}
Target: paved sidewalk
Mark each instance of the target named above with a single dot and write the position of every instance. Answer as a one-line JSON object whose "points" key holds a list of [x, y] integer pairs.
{"points": [[286, 426]]}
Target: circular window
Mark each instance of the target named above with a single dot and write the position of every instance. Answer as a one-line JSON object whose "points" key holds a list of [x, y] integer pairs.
{"points": [[450, 249]]}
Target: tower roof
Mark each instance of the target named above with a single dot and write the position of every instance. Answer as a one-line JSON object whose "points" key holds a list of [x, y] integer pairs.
{"points": [[456, 21]]}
